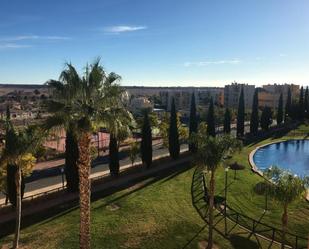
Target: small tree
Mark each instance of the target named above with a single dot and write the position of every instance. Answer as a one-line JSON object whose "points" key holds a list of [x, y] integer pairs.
{"points": [[71, 156], [18, 154], [113, 155], [266, 118], [146, 143], [288, 106], [254, 120], [227, 121], [286, 189], [212, 152], [280, 110], [173, 138], [306, 103], [133, 152], [301, 109], [193, 122], [211, 126], [241, 114]]}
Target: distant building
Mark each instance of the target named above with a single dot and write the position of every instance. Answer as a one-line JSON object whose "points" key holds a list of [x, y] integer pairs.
{"points": [[138, 104], [232, 93], [268, 99], [161, 97], [277, 89]]}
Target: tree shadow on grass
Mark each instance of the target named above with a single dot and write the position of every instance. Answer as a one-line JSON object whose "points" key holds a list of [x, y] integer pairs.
{"points": [[65, 208], [242, 242]]}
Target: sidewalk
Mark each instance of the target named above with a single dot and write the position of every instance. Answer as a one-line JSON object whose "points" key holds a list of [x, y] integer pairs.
{"points": [[55, 183]]}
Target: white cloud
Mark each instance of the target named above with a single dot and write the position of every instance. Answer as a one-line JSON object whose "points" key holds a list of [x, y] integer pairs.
{"points": [[211, 62], [123, 29], [33, 37], [13, 46]]}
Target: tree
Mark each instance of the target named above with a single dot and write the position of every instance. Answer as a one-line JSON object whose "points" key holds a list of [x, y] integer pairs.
{"points": [[213, 152], [193, 122], [301, 107], [120, 129], [306, 103], [211, 126], [173, 135], [133, 152], [8, 113], [113, 155], [146, 143], [280, 110], [89, 102], [266, 118], [18, 154], [286, 189], [227, 121], [241, 114], [288, 106], [71, 157], [164, 126], [254, 120]]}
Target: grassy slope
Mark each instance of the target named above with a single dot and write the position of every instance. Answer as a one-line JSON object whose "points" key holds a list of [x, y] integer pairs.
{"points": [[159, 215]]}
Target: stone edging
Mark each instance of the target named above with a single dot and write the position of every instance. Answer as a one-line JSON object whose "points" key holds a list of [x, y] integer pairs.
{"points": [[255, 169]]}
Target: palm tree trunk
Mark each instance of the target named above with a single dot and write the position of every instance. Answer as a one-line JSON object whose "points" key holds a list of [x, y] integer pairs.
{"points": [[284, 225], [18, 206], [211, 207], [84, 189]]}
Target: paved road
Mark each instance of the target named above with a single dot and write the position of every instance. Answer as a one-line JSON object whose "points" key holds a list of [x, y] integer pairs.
{"points": [[44, 184]]}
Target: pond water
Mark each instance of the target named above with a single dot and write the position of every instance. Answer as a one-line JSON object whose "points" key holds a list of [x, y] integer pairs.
{"points": [[292, 155]]}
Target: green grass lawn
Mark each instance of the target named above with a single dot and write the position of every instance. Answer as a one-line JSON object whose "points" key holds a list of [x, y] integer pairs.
{"points": [[158, 213]]}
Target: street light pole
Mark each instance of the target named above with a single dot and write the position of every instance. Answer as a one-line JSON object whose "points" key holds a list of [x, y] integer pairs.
{"points": [[62, 176], [225, 199]]}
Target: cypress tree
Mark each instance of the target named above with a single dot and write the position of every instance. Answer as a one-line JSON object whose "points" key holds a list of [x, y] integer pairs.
{"points": [[146, 143], [211, 127], [301, 108], [280, 110], [8, 113], [266, 118], [10, 142], [71, 156], [241, 114], [113, 155], [227, 121], [173, 138], [306, 103], [288, 106], [193, 122], [254, 120]]}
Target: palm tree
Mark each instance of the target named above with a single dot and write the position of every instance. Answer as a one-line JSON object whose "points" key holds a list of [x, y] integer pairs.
{"points": [[90, 102], [213, 152], [18, 153], [286, 189]]}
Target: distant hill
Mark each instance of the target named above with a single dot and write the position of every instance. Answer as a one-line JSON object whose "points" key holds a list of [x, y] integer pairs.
{"points": [[22, 88]]}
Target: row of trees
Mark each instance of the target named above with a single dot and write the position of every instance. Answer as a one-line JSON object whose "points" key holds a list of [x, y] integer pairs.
{"points": [[293, 110]]}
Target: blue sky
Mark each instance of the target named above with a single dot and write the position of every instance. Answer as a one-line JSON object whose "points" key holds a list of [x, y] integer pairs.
{"points": [[158, 42]]}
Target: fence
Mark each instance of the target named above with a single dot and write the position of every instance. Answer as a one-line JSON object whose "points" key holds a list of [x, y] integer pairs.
{"points": [[255, 227]]}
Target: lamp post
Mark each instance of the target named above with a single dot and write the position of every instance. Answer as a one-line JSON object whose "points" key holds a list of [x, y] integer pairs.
{"points": [[98, 144], [226, 170], [62, 176]]}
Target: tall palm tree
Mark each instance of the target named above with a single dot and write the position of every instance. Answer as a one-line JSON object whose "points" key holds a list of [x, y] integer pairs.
{"points": [[211, 153], [89, 101], [18, 153], [286, 189]]}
